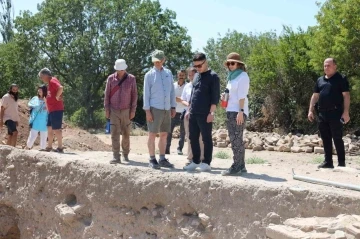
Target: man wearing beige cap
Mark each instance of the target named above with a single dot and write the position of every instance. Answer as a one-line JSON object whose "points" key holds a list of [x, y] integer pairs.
{"points": [[159, 105], [120, 103]]}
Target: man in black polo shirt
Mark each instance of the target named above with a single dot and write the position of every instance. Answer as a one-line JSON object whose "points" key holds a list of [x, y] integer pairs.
{"points": [[331, 93], [204, 98]]}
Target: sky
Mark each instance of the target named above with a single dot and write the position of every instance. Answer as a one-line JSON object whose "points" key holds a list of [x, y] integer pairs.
{"points": [[205, 19]]}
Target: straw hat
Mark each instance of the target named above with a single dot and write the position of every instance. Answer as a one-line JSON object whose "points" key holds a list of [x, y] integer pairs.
{"points": [[233, 57]]}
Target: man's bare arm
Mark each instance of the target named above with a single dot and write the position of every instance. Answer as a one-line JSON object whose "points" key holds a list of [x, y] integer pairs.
{"points": [[184, 102], [2, 111], [313, 101], [59, 92], [346, 96]]}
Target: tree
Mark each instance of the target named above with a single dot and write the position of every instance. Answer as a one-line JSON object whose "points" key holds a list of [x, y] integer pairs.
{"points": [[6, 20], [281, 76], [80, 41], [217, 50]]}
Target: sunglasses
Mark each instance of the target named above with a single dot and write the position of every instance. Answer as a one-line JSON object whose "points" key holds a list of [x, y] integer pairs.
{"points": [[200, 65], [231, 63]]}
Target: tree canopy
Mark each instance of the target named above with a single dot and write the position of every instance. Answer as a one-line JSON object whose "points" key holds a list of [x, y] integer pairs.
{"points": [[80, 40]]}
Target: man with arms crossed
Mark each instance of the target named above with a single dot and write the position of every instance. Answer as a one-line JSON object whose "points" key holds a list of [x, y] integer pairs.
{"points": [[55, 106]]}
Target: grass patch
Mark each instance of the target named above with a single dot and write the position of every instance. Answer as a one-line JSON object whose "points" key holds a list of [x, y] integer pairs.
{"points": [[317, 160], [255, 160], [355, 160], [138, 132], [222, 155]]}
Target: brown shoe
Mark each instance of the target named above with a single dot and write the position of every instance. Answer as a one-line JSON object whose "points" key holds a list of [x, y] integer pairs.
{"points": [[47, 149], [115, 161], [59, 150], [126, 158]]}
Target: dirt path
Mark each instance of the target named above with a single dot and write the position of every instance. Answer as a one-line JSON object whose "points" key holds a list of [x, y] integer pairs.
{"points": [[275, 171]]}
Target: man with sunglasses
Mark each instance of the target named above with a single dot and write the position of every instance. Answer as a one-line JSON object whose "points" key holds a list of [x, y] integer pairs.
{"points": [[120, 103], [159, 105], [204, 98]]}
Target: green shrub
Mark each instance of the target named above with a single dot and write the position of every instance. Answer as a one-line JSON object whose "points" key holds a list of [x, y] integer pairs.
{"points": [[222, 155], [255, 160], [82, 119], [317, 160]]}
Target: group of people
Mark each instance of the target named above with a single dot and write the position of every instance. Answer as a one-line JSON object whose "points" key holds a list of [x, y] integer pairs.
{"points": [[46, 114], [191, 105]]}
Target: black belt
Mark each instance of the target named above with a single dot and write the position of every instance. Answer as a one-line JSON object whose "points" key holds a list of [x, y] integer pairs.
{"points": [[328, 109]]}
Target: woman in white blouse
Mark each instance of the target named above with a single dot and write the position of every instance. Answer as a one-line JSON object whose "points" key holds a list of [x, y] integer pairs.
{"points": [[185, 97], [237, 110]]}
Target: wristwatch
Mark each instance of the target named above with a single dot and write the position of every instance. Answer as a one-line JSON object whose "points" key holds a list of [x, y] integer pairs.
{"points": [[173, 108], [212, 113], [242, 110]]}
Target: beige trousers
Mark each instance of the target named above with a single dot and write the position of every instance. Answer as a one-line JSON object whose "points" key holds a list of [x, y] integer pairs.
{"points": [[190, 155], [120, 124]]}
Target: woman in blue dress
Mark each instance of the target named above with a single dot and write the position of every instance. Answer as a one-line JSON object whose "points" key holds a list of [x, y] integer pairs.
{"points": [[38, 118]]}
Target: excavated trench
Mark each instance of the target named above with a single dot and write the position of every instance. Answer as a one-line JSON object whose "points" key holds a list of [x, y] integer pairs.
{"points": [[49, 196]]}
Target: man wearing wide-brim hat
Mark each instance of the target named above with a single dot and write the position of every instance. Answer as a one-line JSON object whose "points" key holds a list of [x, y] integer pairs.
{"points": [[120, 103]]}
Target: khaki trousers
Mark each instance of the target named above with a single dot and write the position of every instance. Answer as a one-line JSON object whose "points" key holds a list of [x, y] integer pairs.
{"points": [[120, 124], [190, 155]]}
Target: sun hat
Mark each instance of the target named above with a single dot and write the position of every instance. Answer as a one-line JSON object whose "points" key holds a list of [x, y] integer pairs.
{"points": [[120, 65]]}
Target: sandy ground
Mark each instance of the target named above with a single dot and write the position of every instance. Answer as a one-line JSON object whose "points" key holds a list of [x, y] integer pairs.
{"points": [[275, 171]]}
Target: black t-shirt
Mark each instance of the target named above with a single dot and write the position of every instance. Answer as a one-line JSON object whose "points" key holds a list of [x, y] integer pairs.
{"points": [[205, 92], [330, 91]]}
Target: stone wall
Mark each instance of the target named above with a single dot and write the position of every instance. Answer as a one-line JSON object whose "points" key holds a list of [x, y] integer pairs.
{"points": [[340, 227]]}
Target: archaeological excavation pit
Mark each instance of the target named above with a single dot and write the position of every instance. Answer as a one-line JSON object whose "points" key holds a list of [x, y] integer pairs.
{"points": [[47, 195]]}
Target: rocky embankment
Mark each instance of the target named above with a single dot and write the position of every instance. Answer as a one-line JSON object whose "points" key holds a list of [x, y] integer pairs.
{"points": [[49, 195], [282, 143], [340, 227]]}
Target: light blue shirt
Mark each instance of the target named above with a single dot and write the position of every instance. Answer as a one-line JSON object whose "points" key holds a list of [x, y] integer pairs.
{"points": [[159, 89], [39, 114]]}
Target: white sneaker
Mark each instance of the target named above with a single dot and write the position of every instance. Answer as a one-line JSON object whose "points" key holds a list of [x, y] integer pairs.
{"points": [[191, 167], [204, 167]]}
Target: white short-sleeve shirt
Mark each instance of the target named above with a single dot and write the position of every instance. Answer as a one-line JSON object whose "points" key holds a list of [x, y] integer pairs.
{"points": [[178, 92], [186, 95]]}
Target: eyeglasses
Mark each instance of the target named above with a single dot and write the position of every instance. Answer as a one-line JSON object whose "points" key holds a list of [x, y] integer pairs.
{"points": [[200, 65], [231, 63]]}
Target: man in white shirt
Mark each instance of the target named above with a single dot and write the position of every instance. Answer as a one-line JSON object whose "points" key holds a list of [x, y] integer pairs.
{"points": [[180, 108]]}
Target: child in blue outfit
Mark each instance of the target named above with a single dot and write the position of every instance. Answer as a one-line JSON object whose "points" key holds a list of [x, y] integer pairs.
{"points": [[38, 119]]}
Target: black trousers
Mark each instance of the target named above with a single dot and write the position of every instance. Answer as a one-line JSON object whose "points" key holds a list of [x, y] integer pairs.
{"points": [[197, 125], [330, 129], [175, 122]]}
